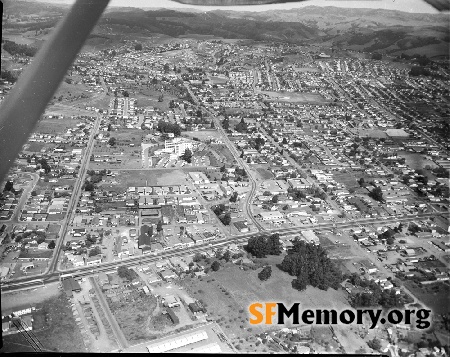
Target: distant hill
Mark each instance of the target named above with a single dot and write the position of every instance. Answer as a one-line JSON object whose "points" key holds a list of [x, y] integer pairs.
{"points": [[385, 31]]}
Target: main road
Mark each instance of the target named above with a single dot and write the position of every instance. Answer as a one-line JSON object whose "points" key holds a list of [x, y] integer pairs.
{"points": [[75, 195], [248, 199], [37, 280]]}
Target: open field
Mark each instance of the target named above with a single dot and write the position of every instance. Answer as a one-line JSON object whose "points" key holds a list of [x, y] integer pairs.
{"points": [[415, 160], [295, 97], [228, 292], [55, 328], [127, 179], [202, 135], [435, 296], [264, 173], [48, 125]]}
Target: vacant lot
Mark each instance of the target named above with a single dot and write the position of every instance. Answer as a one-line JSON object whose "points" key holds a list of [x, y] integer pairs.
{"points": [[295, 97], [435, 296], [228, 292], [47, 126], [133, 178], [135, 310], [203, 135], [55, 328], [264, 173]]}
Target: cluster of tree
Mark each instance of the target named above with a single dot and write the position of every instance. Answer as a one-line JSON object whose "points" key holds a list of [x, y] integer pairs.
{"points": [[90, 240], [373, 295], [311, 265], [9, 186], [95, 251], [44, 165], [112, 141], [377, 56], [419, 71], [166, 127], [8, 76], [377, 194], [258, 143], [265, 274], [215, 266], [260, 246], [234, 197], [127, 274], [187, 156], [441, 172], [18, 49], [226, 123], [388, 235], [241, 127], [299, 194]]}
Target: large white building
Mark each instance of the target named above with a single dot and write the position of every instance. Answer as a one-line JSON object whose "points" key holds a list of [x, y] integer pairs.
{"points": [[178, 146]]}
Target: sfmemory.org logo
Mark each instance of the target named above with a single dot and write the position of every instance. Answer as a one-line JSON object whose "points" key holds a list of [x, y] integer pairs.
{"points": [[271, 313]]}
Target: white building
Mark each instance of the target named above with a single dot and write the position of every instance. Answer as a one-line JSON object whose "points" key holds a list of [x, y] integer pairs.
{"points": [[178, 146]]}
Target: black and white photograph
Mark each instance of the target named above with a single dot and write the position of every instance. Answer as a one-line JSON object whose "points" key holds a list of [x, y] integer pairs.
{"points": [[225, 177]]}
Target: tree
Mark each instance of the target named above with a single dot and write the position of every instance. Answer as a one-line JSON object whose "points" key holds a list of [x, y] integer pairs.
{"points": [[234, 197], [377, 56], [215, 266], [226, 256], [197, 257], [311, 266], [112, 141], [9, 186], [138, 47], [159, 226], [126, 273], [275, 199], [51, 245], [377, 194], [125, 94], [187, 156], [95, 251], [226, 219], [260, 246], [265, 273], [223, 168], [361, 182], [374, 344]]}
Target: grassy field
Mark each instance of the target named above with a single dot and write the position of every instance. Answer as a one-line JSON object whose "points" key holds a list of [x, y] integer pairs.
{"points": [[202, 135], [55, 328], [435, 296], [131, 178], [347, 179], [224, 152], [228, 292], [296, 97], [49, 126], [264, 173]]}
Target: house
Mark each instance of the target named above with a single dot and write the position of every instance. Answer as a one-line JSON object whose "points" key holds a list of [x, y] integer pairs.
{"points": [[173, 317], [241, 226], [95, 260], [70, 285], [272, 216], [168, 275], [171, 301]]}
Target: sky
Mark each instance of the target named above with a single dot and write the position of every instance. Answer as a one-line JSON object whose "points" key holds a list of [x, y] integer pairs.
{"points": [[415, 6]]}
